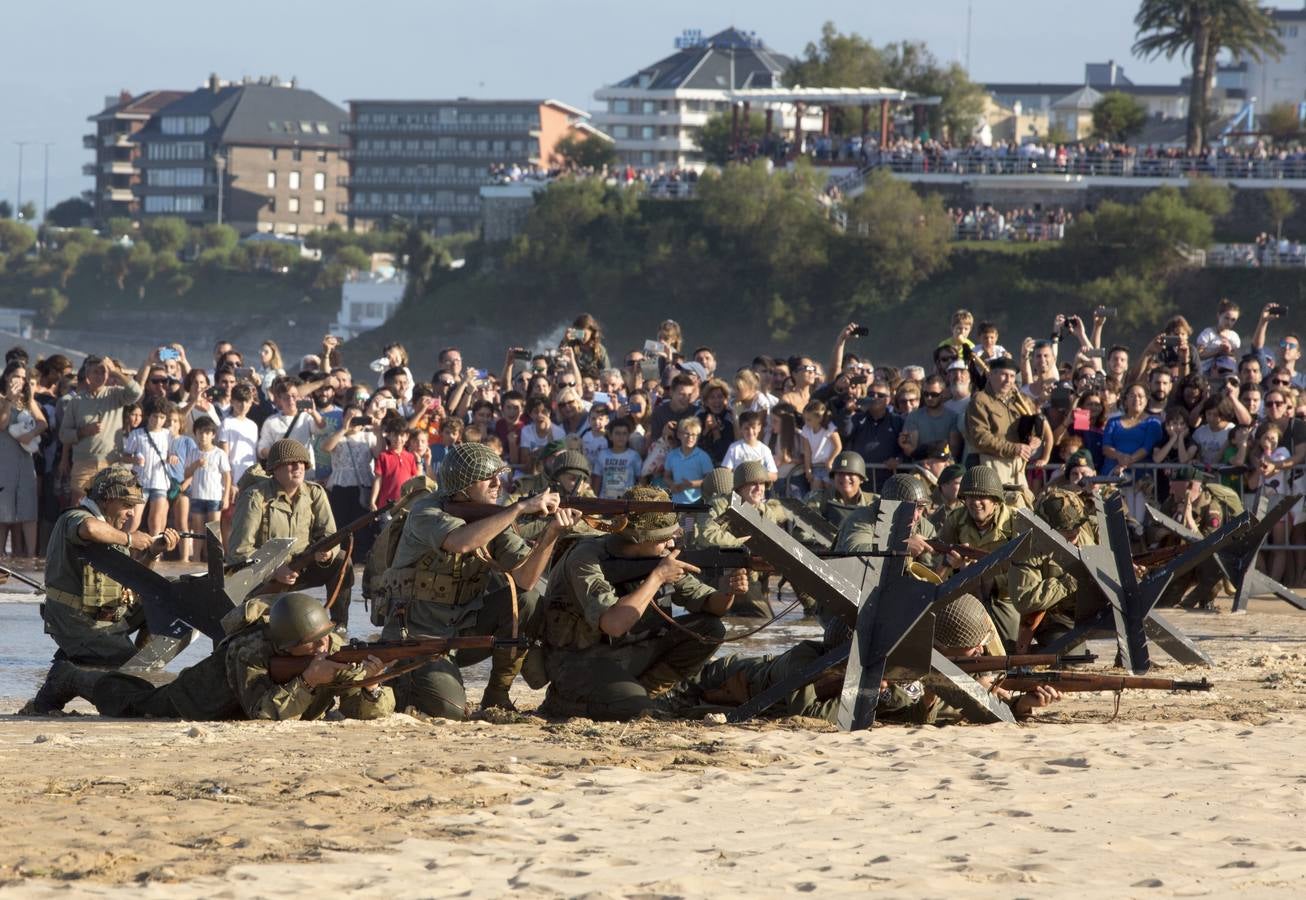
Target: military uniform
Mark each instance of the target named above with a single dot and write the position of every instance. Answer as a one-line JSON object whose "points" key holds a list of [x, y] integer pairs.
{"points": [[960, 528], [602, 677], [1039, 583], [835, 509], [1214, 506], [718, 533], [993, 428], [383, 549]]}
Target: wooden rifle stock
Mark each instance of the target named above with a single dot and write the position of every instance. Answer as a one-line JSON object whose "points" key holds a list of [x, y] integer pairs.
{"points": [[968, 553], [1019, 660], [1074, 682], [304, 558], [283, 668], [470, 511]]}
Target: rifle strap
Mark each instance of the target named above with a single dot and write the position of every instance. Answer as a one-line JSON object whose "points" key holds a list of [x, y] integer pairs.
{"points": [[345, 563], [671, 620], [483, 554]]}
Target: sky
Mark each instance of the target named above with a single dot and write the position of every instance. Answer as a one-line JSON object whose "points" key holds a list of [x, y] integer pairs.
{"points": [[63, 57]]}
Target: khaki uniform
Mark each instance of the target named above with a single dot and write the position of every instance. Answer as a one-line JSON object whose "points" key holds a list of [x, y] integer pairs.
{"points": [[432, 592], [264, 512], [602, 677], [90, 616], [857, 535], [233, 683], [833, 508], [992, 428], [1215, 505], [960, 528], [1039, 582], [717, 533]]}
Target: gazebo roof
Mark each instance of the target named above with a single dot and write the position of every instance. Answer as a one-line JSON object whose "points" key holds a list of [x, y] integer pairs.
{"points": [[832, 96]]}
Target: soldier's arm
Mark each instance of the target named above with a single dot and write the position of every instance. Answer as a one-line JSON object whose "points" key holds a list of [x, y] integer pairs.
{"points": [[244, 523], [324, 521], [1033, 589], [716, 533], [259, 696]]}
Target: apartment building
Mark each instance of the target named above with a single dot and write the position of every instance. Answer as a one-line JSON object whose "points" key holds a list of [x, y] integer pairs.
{"points": [[116, 170], [260, 155], [425, 160]]}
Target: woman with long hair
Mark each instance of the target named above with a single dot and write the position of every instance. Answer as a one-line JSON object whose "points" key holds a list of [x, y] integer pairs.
{"points": [[270, 366], [1129, 439], [585, 338], [21, 425]]}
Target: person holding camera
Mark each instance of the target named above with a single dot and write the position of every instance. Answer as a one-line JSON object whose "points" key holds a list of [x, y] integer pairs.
{"points": [[296, 418], [1256, 347]]}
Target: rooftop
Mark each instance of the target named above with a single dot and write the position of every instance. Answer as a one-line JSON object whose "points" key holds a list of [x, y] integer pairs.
{"points": [[707, 64], [259, 114]]}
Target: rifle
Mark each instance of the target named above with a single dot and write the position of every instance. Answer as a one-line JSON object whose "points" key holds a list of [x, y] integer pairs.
{"points": [[1159, 556], [19, 576], [301, 560], [283, 668], [1072, 682], [621, 570], [469, 511], [1018, 661], [968, 553]]}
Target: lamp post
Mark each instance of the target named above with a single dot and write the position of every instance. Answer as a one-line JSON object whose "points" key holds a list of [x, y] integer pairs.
{"points": [[45, 183], [220, 163], [18, 202]]}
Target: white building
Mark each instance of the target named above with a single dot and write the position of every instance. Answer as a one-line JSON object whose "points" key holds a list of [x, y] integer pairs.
{"points": [[654, 115], [1281, 80], [367, 301]]}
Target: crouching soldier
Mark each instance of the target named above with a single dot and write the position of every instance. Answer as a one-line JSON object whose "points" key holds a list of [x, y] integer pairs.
{"points": [[1042, 591], [608, 652], [750, 483], [234, 682]]}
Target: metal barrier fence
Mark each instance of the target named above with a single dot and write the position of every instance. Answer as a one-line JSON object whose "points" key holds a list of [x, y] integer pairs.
{"points": [[1091, 165], [1248, 256]]}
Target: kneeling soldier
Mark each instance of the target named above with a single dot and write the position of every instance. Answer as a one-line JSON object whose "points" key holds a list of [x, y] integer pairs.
{"points": [[1039, 581], [985, 522], [607, 653], [750, 483]]}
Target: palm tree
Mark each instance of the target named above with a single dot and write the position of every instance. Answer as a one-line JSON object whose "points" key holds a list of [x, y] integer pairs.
{"points": [[1201, 29]]}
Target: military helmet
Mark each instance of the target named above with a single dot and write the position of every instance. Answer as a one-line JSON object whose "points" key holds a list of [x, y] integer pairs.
{"points": [[568, 461], [114, 483], [849, 462], [1063, 510], [466, 464], [907, 488], [719, 482], [751, 472], [284, 452], [296, 619], [961, 622], [649, 526], [982, 481]]}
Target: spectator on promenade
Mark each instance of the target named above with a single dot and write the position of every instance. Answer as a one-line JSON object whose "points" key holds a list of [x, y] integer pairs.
{"points": [[91, 418], [22, 423]]}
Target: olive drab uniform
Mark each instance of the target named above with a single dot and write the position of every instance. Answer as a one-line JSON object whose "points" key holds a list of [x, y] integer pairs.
{"points": [[835, 509], [233, 683], [90, 616], [718, 533], [1040, 582], [993, 590], [610, 678], [264, 511], [1214, 506], [382, 554], [433, 592]]}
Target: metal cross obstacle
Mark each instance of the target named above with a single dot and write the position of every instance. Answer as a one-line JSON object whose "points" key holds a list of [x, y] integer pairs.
{"points": [[1238, 560], [886, 608], [176, 609], [1124, 607]]}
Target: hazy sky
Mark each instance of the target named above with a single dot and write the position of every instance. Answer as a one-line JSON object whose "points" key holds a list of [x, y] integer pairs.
{"points": [[62, 57]]}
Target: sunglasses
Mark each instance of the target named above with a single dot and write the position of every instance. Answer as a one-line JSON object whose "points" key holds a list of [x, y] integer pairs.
{"points": [[1288, 345], [903, 399], [158, 381], [944, 360], [807, 368], [931, 395], [875, 396], [633, 362], [566, 384], [1275, 403]]}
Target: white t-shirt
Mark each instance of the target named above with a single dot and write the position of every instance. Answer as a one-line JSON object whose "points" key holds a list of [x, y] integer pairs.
{"points": [[351, 461], [592, 444], [240, 437], [531, 439], [152, 475], [275, 426], [1211, 443], [206, 482], [739, 452], [820, 446]]}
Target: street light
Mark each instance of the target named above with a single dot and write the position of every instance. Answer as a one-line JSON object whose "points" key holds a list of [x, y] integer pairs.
{"points": [[18, 204], [220, 163]]}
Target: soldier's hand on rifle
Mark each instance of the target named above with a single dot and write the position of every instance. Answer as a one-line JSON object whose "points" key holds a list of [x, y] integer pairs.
{"points": [[954, 559], [322, 671], [564, 519], [1026, 451], [325, 556], [917, 545], [166, 541], [285, 575], [671, 569], [373, 667], [1043, 695], [734, 581], [140, 541], [544, 504]]}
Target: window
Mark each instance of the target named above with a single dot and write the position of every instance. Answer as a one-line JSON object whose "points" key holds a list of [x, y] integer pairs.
{"points": [[293, 205], [646, 132], [272, 204], [319, 206], [169, 151], [650, 107], [184, 124], [319, 181], [293, 181], [321, 156], [174, 177], [272, 180], [170, 203], [621, 106], [620, 131], [297, 154], [272, 153]]}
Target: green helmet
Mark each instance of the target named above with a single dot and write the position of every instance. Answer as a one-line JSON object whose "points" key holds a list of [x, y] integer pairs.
{"points": [[466, 464], [848, 462], [751, 472], [114, 483], [982, 481], [720, 481], [1062, 509], [568, 461], [296, 619], [284, 452], [907, 488], [961, 622], [649, 526]]}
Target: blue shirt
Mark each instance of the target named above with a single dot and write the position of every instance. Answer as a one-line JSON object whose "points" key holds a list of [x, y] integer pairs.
{"points": [[694, 467], [1143, 436]]}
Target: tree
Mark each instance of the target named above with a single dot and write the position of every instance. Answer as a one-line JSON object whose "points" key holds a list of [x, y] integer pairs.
{"points": [[218, 237], [1152, 237], [50, 305], [1117, 117], [839, 60], [119, 226], [70, 213], [1215, 198], [6, 209], [1281, 122], [15, 238], [27, 212], [165, 234], [353, 258], [714, 138], [1279, 203], [1201, 29], [585, 151]]}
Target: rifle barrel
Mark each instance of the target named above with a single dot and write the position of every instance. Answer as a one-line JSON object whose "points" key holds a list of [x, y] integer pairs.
{"points": [[283, 668], [19, 576], [1073, 682], [1019, 660]]}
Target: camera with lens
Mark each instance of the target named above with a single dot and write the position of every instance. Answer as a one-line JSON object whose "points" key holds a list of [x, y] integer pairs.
{"points": [[1276, 310]]}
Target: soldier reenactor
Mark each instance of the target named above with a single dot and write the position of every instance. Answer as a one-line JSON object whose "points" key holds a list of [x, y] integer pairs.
{"points": [[1043, 591], [750, 483], [91, 617], [984, 522], [857, 533], [845, 494], [946, 494], [1203, 507]]}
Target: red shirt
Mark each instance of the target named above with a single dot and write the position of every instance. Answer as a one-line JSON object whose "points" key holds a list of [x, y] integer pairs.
{"points": [[393, 468]]}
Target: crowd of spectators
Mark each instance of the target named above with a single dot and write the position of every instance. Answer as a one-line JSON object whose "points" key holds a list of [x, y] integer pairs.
{"points": [[984, 223], [665, 411], [658, 182]]}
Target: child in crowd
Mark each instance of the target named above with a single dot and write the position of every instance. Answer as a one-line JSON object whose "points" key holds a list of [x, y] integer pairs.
{"points": [[539, 432], [183, 445], [618, 466], [962, 322], [209, 472], [1212, 436], [594, 438], [1176, 445], [750, 446], [419, 444], [687, 466], [451, 432], [821, 444], [394, 464], [988, 348], [150, 449], [239, 434]]}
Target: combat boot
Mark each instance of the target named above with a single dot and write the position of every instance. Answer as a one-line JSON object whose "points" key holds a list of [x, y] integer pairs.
{"points": [[659, 678], [64, 682], [504, 666]]}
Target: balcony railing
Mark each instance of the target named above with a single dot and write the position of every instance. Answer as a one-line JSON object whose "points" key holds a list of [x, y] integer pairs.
{"points": [[1089, 166], [411, 180], [460, 127], [370, 153], [359, 208], [88, 141]]}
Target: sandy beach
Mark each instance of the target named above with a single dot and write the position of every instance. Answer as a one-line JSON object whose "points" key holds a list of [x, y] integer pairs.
{"points": [[1177, 795]]}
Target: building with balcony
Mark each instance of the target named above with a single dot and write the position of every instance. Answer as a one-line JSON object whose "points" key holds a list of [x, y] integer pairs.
{"points": [[1281, 80], [115, 170], [654, 115], [261, 156], [425, 160]]}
